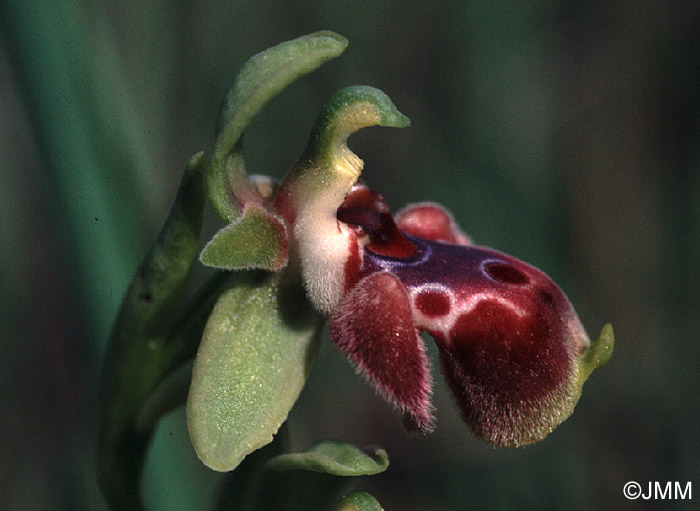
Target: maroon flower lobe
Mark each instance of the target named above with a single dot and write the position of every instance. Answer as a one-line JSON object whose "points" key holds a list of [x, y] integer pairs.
{"points": [[430, 221], [369, 213], [432, 303], [374, 327]]}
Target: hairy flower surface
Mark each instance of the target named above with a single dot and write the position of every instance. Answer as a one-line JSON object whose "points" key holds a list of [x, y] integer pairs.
{"points": [[512, 349], [508, 337]]}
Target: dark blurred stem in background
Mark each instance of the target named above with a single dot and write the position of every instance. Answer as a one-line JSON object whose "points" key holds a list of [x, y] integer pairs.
{"points": [[88, 136]]}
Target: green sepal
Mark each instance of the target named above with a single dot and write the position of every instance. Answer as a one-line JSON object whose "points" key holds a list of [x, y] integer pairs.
{"points": [[252, 363], [260, 79], [256, 240], [359, 501], [333, 457], [266, 74], [144, 347]]}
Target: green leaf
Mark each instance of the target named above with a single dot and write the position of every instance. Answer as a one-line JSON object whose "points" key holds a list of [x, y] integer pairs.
{"points": [[359, 501], [256, 240], [260, 79], [139, 355], [252, 363], [333, 457]]}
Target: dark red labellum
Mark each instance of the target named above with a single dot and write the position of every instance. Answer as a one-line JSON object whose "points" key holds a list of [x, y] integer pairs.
{"points": [[507, 335]]}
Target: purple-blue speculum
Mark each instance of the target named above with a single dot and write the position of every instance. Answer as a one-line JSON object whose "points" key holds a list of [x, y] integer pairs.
{"points": [[511, 346]]}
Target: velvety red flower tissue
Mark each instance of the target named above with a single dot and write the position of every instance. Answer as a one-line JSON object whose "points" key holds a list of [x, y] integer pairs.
{"points": [[512, 348]]}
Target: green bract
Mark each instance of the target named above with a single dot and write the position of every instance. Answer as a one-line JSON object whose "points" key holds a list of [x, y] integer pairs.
{"points": [[147, 344], [333, 457], [255, 354], [359, 501], [316, 478]]}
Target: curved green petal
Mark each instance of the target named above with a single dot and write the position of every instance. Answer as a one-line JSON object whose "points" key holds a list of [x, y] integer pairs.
{"points": [[317, 184], [256, 240], [348, 111], [327, 162]]}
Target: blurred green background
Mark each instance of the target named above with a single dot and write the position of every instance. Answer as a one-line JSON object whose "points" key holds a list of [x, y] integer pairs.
{"points": [[563, 132]]}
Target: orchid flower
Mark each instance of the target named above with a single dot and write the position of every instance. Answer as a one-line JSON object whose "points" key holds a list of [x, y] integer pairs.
{"points": [[511, 346]]}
